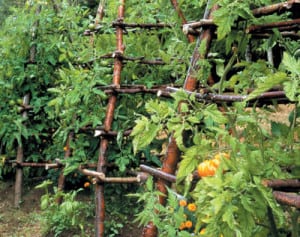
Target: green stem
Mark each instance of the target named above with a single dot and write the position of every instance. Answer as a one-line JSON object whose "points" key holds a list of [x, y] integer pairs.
{"points": [[226, 70], [292, 128], [295, 224], [273, 227]]}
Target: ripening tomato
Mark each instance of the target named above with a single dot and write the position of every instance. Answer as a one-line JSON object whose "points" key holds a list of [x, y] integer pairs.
{"points": [[223, 155], [182, 203], [215, 162], [188, 224], [206, 168], [86, 184]]}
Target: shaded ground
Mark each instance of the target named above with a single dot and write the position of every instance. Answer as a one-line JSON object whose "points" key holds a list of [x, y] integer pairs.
{"points": [[26, 221], [19, 222]]}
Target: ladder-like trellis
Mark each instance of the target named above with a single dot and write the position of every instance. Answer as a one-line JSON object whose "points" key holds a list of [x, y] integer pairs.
{"points": [[200, 31]]}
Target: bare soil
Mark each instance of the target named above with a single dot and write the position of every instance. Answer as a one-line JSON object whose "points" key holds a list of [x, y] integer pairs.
{"points": [[19, 222], [26, 220]]}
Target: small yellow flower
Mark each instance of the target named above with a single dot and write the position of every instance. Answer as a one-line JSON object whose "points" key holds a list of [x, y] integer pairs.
{"points": [[182, 203], [188, 224], [202, 232], [192, 207], [65, 148]]}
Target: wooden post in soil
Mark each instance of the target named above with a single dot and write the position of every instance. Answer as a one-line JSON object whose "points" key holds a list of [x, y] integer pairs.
{"points": [[26, 99], [99, 189], [173, 154], [20, 157]]}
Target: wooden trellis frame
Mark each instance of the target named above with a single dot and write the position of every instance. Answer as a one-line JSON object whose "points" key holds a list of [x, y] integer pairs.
{"points": [[202, 30]]}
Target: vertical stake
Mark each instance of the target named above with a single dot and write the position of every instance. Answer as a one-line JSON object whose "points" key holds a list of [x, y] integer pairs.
{"points": [[20, 158], [173, 154], [99, 189]]}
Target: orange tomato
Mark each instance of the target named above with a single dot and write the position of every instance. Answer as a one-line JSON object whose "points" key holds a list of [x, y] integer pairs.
{"points": [[182, 203], [205, 168], [188, 224], [215, 162], [192, 207], [182, 226], [86, 184], [223, 155]]}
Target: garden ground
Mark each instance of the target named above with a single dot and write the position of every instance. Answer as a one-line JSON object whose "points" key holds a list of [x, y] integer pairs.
{"points": [[26, 221]]}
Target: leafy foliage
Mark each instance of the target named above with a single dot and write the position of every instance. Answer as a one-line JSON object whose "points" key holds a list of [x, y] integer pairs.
{"points": [[70, 215], [66, 79]]}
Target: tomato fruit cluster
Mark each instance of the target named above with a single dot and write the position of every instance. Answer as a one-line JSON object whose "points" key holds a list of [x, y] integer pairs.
{"points": [[209, 167]]}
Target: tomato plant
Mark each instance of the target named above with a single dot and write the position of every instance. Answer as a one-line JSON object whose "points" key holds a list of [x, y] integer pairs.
{"points": [[66, 82]]}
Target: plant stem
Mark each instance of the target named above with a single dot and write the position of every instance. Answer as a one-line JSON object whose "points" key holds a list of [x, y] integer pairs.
{"points": [[292, 128], [273, 227], [226, 70], [295, 224]]}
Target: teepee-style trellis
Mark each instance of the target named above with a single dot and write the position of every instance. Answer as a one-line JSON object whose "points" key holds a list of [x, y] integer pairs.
{"points": [[199, 31]]}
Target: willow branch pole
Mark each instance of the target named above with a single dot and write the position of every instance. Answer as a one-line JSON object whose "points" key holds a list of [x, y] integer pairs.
{"points": [[172, 156], [25, 104], [280, 184], [283, 6], [181, 16], [99, 189], [282, 25], [100, 177], [140, 25], [20, 157], [290, 199], [285, 34], [158, 173], [230, 98], [205, 36], [98, 18]]}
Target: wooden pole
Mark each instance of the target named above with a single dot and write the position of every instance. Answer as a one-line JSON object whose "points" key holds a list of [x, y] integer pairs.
{"points": [[290, 199], [25, 104], [181, 16], [101, 166], [283, 6], [172, 156], [20, 157]]}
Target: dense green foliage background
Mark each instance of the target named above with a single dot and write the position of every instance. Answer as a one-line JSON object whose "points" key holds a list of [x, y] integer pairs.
{"points": [[64, 83]]}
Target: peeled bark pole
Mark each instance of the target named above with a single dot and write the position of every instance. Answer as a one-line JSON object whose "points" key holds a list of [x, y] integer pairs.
{"points": [[99, 189], [20, 157]]}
